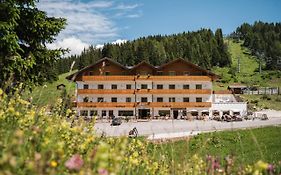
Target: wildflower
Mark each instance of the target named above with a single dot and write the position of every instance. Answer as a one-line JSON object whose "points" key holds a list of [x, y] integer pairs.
{"points": [[270, 168], [75, 162], [1, 91], [103, 171], [53, 164], [261, 165]]}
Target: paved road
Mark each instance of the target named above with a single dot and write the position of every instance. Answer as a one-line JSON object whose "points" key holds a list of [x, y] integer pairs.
{"points": [[161, 127]]}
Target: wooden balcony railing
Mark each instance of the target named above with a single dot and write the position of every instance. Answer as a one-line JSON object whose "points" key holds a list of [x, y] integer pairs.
{"points": [[147, 104], [108, 78], [173, 91], [145, 78], [106, 104], [105, 91], [181, 104], [144, 91]]}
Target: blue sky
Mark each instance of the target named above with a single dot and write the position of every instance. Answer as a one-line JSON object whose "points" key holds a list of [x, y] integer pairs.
{"points": [[102, 21]]}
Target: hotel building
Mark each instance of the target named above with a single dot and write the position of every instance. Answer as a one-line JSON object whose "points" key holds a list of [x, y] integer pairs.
{"points": [[107, 88]]}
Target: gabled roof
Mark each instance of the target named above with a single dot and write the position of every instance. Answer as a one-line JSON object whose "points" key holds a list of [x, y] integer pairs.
{"points": [[189, 63], [74, 75], [142, 63]]}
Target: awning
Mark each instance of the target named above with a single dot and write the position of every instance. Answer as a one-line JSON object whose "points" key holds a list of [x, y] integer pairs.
{"points": [[193, 110], [205, 110], [235, 110]]}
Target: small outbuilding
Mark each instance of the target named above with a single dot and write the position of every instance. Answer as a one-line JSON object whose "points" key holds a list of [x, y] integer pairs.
{"points": [[237, 88]]}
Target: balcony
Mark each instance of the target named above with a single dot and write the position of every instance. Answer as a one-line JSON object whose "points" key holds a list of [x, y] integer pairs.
{"points": [[105, 91], [173, 91], [181, 104], [108, 78], [145, 78], [147, 104], [174, 78], [144, 91], [106, 104]]}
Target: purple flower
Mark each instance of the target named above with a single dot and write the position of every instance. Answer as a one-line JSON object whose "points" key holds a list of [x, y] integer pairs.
{"points": [[103, 171], [75, 162], [270, 168], [215, 164]]}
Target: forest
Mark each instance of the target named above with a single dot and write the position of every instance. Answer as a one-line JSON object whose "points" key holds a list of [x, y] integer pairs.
{"points": [[202, 47], [264, 40]]}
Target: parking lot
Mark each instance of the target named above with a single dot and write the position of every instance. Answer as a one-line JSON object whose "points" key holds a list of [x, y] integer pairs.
{"points": [[154, 127]]}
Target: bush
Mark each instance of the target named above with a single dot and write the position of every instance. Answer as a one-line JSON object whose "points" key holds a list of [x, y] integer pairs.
{"points": [[265, 97]]}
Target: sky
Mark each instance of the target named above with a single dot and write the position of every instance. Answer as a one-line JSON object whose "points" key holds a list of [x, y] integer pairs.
{"points": [[95, 22]]}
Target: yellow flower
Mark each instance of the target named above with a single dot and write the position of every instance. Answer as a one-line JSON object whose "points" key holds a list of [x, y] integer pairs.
{"points": [[1, 91], [261, 165], [53, 164]]}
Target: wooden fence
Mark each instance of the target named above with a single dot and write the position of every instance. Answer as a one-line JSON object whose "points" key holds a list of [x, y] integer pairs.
{"points": [[263, 90]]}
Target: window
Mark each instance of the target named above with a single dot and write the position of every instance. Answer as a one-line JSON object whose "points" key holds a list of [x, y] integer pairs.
{"points": [[125, 113], [185, 73], [143, 99], [100, 99], [114, 99], [171, 73], [199, 99], [164, 112], [86, 99], [85, 86], [159, 99], [143, 86], [128, 99], [100, 86], [91, 73], [114, 86], [110, 113], [172, 86], [103, 113], [198, 86], [159, 86], [128, 86], [84, 113], [172, 99], [93, 113], [107, 73], [186, 86], [185, 99], [159, 72]]}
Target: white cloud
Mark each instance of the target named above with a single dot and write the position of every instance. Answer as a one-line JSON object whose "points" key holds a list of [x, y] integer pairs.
{"points": [[119, 41], [127, 7], [76, 46], [88, 23]]}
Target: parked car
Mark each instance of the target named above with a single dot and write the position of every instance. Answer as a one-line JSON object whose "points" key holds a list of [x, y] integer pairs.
{"points": [[116, 121]]}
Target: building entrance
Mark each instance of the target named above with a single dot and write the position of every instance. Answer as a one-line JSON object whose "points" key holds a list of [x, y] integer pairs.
{"points": [[175, 114], [144, 113]]}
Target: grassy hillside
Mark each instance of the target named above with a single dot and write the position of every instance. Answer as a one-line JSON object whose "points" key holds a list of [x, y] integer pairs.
{"points": [[246, 146], [47, 94], [249, 69]]}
